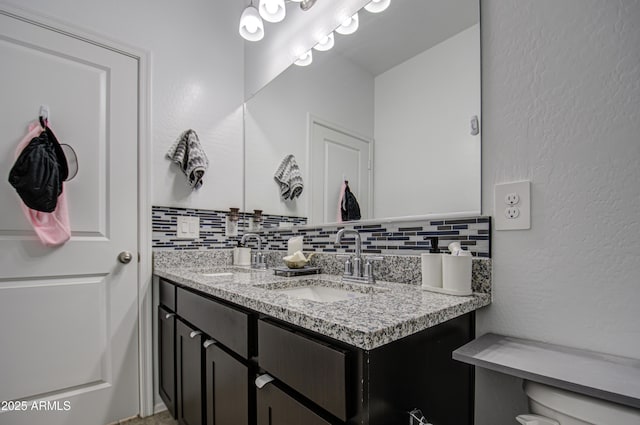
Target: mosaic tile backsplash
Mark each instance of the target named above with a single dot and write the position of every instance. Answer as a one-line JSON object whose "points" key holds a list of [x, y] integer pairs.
{"points": [[411, 237], [212, 228]]}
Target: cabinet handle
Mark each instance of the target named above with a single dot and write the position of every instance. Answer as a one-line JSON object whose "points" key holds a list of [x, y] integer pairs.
{"points": [[208, 343], [169, 315], [194, 334], [263, 380]]}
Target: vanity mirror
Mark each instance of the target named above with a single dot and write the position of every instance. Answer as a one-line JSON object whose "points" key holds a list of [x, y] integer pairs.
{"points": [[393, 109]]}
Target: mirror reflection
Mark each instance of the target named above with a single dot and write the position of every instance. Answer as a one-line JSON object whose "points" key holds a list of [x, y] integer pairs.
{"points": [[392, 109]]}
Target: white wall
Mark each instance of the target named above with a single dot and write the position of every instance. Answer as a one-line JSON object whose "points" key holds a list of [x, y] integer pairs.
{"points": [[422, 112], [561, 106], [197, 82], [331, 88]]}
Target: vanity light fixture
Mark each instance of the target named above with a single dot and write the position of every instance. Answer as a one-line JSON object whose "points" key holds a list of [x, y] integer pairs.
{"points": [[305, 59], [377, 6], [325, 43], [349, 25], [272, 10], [251, 26]]}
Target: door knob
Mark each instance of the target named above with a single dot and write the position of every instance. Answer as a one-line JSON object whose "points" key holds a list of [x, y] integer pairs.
{"points": [[125, 257]]}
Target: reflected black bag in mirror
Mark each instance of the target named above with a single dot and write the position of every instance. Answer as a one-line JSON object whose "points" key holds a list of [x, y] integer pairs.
{"points": [[350, 209], [39, 171]]}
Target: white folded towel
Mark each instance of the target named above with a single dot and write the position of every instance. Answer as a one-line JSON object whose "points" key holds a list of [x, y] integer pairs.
{"points": [[188, 153], [289, 178]]}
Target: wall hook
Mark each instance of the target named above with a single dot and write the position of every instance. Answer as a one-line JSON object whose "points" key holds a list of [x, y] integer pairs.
{"points": [[45, 114]]}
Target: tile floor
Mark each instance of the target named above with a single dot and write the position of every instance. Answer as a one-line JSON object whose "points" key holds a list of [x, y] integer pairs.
{"points": [[163, 418]]}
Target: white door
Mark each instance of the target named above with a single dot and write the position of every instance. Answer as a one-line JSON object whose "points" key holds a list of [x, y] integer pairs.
{"points": [[68, 315], [336, 156]]}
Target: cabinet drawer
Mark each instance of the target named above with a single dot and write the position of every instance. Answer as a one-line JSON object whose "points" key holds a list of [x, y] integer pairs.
{"points": [[167, 294], [227, 325], [311, 367], [275, 407]]}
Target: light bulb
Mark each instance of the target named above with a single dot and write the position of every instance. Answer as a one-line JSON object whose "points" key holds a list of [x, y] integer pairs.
{"points": [[377, 6], [349, 25], [325, 43], [271, 7], [305, 59], [272, 10], [251, 27]]}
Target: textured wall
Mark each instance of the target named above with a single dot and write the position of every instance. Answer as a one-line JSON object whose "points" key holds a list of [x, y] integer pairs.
{"points": [[197, 82], [561, 106]]}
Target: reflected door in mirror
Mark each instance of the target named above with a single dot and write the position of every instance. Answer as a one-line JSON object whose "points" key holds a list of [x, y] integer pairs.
{"points": [[337, 156]]}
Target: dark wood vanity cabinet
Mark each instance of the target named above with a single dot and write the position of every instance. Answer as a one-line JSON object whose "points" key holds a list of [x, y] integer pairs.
{"points": [[220, 349], [201, 380]]}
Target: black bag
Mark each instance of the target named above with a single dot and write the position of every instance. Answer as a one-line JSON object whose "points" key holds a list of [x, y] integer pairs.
{"points": [[39, 171]]}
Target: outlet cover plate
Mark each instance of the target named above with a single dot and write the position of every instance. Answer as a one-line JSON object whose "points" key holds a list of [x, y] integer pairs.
{"points": [[188, 228], [501, 207]]}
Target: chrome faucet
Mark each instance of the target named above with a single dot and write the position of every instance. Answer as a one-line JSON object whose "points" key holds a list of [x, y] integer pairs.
{"points": [[354, 270], [257, 258]]}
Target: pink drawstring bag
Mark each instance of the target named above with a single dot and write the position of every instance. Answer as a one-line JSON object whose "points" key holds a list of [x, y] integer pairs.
{"points": [[52, 228], [343, 188]]}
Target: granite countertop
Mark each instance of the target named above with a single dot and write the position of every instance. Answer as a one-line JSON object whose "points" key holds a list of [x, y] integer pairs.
{"points": [[385, 313]]}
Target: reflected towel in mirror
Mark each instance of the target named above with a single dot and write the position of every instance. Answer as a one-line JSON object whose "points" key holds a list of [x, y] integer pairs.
{"points": [[289, 178]]}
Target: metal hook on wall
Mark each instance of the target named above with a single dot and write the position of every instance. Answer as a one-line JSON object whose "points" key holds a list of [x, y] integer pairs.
{"points": [[44, 116]]}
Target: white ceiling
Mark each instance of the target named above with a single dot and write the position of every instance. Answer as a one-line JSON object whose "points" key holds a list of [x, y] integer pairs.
{"points": [[405, 29]]}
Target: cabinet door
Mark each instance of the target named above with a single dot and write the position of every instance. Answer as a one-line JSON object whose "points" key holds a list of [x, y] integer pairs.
{"points": [[227, 388], [166, 358], [189, 374], [275, 407]]}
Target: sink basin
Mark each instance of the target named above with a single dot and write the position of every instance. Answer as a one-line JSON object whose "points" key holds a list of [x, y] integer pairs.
{"points": [[217, 274], [323, 291], [321, 294]]}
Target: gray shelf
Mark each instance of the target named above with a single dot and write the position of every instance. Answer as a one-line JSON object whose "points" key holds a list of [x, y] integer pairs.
{"points": [[604, 376]]}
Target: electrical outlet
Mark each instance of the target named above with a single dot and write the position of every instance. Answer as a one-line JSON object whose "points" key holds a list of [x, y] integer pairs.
{"points": [[517, 198], [512, 212], [512, 198]]}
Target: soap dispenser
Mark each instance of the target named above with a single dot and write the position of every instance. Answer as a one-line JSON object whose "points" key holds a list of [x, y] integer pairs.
{"points": [[432, 266]]}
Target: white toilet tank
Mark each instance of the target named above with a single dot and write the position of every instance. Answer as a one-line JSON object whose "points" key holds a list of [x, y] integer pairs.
{"points": [[570, 408]]}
